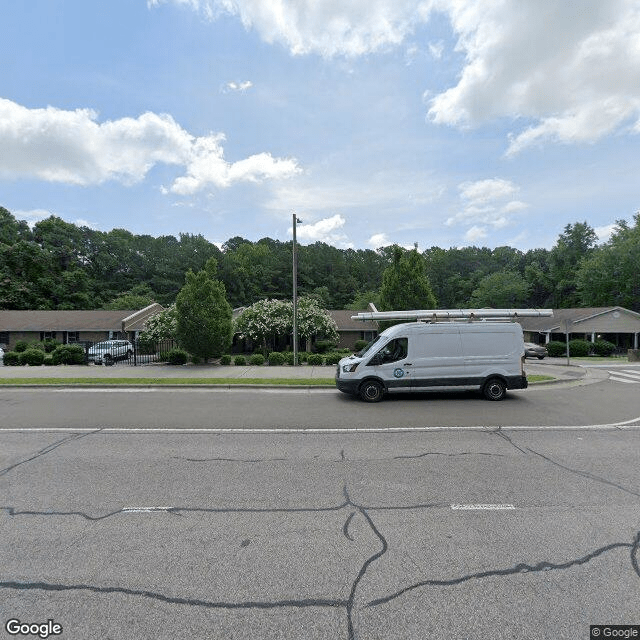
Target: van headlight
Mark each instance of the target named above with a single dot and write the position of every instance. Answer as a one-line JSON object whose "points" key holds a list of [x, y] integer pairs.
{"points": [[350, 368]]}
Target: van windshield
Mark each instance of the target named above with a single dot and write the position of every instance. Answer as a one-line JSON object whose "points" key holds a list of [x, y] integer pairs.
{"points": [[375, 341]]}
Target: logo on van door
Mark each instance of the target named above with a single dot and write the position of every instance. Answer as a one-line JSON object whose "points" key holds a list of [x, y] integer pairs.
{"points": [[398, 373]]}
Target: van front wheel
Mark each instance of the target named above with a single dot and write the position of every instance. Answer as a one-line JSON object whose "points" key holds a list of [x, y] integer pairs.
{"points": [[371, 391], [494, 389]]}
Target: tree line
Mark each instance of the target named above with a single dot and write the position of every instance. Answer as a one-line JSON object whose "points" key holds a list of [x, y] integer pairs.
{"points": [[59, 265]]}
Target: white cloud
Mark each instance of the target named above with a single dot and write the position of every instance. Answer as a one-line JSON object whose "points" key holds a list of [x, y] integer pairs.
{"points": [[238, 87], [73, 148], [604, 233], [568, 70], [487, 202], [379, 240], [570, 67], [475, 233], [325, 230]]}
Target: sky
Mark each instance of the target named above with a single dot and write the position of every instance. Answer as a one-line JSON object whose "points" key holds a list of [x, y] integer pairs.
{"points": [[444, 123]]}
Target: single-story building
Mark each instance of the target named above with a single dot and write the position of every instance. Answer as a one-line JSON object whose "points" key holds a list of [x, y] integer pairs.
{"points": [[351, 330], [615, 324], [68, 327]]}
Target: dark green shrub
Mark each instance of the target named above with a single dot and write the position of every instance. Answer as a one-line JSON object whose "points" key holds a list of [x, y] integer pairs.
{"points": [[603, 348], [257, 359], [225, 359], [315, 359], [302, 356], [68, 354], [276, 359], [21, 346], [333, 357], [322, 346], [240, 361], [50, 344], [196, 359], [12, 359], [163, 356], [360, 344], [579, 348], [556, 349], [32, 357], [288, 357], [36, 345], [48, 360], [177, 356]]}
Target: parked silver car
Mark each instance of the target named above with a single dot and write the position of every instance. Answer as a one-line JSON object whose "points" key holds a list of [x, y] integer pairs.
{"points": [[532, 350], [109, 351]]}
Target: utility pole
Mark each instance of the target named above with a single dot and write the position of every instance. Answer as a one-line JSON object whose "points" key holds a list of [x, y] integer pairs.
{"points": [[295, 293]]}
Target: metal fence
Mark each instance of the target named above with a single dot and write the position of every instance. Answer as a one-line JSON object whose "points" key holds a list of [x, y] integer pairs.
{"points": [[124, 352]]}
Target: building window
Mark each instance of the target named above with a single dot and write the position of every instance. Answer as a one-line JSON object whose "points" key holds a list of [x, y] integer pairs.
{"points": [[47, 335], [73, 336], [4, 337]]}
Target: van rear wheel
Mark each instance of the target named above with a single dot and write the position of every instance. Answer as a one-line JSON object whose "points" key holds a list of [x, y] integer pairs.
{"points": [[494, 389], [371, 391]]}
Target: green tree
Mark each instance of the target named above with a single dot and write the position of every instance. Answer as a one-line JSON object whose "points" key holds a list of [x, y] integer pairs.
{"points": [[265, 321], [137, 297], [611, 275], [405, 284], [575, 244], [505, 289], [203, 315]]}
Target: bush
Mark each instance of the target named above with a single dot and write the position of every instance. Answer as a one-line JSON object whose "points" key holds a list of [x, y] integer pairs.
{"points": [[333, 358], [177, 356], [240, 361], [288, 357], [225, 359], [50, 344], [315, 359], [32, 357], [276, 359], [21, 346], [163, 356], [68, 354], [48, 360], [302, 356], [36, 345], [556, 348], [257, 359], [603, 348], [579, 348], [12, 359], [322, 346], [196, 359], [360, 345]]}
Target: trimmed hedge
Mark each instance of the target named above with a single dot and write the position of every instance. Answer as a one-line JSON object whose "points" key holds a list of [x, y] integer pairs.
{"points": [[33, 357], [256, 360], [579, 348], [333, 357], [315, 359], [288, 357], [603, 348], [12, 359], [360, 344], [240, 361], [177, 356], [276, 359], [556, 348], [225, 359], [68, 354], [21, 346]]}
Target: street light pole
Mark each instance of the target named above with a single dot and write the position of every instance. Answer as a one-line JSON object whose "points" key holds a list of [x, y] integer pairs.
{"points": [[295, 294]]}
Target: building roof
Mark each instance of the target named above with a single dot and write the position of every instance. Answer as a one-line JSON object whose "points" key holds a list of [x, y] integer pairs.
{"points": [[76, 320], [342, 318], [575, 317]]}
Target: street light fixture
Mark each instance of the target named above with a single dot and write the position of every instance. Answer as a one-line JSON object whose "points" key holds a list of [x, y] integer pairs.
{"points": [[295, 293]]}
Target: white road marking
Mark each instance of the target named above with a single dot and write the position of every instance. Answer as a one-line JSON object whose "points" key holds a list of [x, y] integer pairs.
{"points": [[482, 507], [145, 509]]}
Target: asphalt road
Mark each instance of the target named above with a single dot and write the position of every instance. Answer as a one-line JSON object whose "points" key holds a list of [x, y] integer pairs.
{"points": [[144, 517]]}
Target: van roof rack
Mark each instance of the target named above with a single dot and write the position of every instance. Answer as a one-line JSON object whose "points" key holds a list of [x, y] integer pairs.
{"points": [[443, 315]]}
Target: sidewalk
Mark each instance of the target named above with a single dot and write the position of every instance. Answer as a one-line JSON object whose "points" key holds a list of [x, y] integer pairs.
{"points": [[555, 367]]}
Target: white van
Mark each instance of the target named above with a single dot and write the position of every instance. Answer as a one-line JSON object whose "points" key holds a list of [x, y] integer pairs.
{"points": [[417, 356]]}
